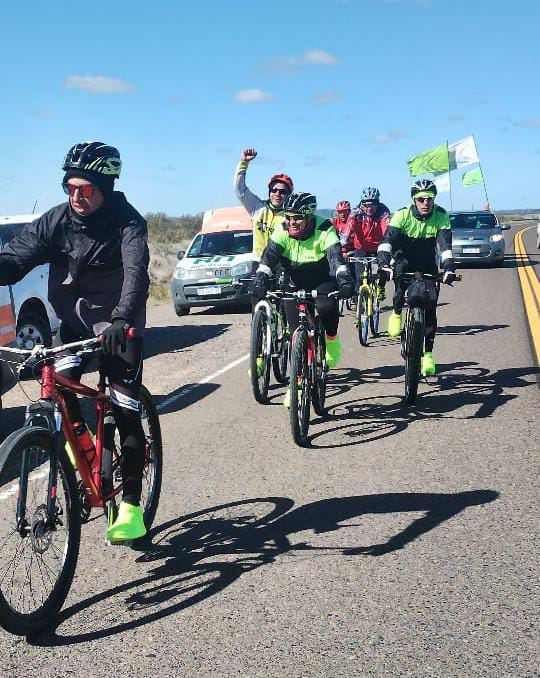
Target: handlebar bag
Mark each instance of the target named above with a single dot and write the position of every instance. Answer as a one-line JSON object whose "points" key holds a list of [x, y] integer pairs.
{"points": [[422, 294]]}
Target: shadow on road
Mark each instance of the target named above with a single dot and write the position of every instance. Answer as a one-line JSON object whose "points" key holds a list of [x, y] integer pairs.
{"points": [[458, 385], [183, 397], [469, 329], [197, 556], [176, 338]]}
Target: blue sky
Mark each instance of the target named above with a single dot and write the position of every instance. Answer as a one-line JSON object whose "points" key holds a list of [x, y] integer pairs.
{"points": [[337, 93]]}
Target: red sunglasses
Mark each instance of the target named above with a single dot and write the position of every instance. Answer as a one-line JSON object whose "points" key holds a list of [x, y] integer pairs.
{"points": [[86, 190]]}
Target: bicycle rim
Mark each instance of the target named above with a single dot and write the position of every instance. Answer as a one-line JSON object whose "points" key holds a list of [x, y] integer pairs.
{"points": [[363, 317], [319, 371], [375, 315], [153, 462], [414, 340], [40, 554], [259, 358], [280, 362], [299, 385]]}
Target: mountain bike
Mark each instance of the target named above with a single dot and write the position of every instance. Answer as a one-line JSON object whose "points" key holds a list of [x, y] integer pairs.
{"points": [[42, 505], [269, 344], [308, 371], [414, 326], [368, 301]]}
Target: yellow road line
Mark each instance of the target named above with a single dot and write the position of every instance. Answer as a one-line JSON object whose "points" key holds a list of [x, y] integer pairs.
{"points": [[530, 288]]}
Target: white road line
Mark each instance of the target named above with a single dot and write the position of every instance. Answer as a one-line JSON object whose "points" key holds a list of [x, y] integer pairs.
{"points": [[35, 475], [189, 389]]}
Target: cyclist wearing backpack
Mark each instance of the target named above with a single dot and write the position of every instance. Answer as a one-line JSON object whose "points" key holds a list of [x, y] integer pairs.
{"points": [[96, 245], [307, 247], [412, 238]]}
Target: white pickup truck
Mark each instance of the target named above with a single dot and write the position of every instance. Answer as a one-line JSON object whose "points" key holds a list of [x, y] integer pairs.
{"points": [[26, 316]]}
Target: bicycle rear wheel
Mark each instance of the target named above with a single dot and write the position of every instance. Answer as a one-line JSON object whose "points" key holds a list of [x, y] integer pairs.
{"points": [[299, 385], [259, 358], [362, 316], [319, 370], [280, 362], [414, 342], [38, 551]]}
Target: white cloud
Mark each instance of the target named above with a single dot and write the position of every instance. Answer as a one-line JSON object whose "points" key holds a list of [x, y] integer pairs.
{"points": [[291, 64], [528, 123], [388, 137], [254, 95], [323, 98], [317, 57], [98, 84]]}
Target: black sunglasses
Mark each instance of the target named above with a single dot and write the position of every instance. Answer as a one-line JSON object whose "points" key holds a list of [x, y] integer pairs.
{"points": [[280, 191]]}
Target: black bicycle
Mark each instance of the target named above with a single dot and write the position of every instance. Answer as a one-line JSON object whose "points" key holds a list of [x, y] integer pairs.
{"points": [[418, 296], [308, 372]]}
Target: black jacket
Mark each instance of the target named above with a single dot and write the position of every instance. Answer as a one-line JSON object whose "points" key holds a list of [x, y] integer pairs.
{"points": [[98, 263]]}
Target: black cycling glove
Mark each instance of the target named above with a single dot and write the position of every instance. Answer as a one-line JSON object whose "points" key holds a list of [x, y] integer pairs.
{"points": [[114, 336], [260, 286]]}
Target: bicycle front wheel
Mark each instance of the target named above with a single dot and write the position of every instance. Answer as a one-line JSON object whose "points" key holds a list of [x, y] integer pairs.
{"points": [[362, 316], [414, 343], [259, 357], [39, 551], [375, 313], [300, 390], [280, 362], [319, 370]]}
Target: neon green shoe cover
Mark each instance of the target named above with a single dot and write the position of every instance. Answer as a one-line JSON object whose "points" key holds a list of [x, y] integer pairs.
{"points": [[333, 351], [260, 367], [427, 366], [287, 399], [381, 294], [128, 525], [394, 324]]}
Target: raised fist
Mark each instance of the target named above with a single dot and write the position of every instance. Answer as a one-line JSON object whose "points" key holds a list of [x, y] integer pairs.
{"points": [[248, 154]]}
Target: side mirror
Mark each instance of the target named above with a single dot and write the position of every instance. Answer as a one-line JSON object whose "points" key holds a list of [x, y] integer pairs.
{"points": [[506, 227], [180, 255]]}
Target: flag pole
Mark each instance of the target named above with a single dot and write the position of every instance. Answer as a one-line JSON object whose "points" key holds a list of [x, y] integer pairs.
{"points": [[449, 177], [482, 171]]}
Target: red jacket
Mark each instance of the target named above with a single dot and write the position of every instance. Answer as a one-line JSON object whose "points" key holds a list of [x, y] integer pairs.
{"points": [[344, 230], [368, 231]]}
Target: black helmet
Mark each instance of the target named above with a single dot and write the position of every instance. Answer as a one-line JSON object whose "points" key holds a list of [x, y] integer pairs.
{"points": [[424, 186], [300, 203], [94, 156]]}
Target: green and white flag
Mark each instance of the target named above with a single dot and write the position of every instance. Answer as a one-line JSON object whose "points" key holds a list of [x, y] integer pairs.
{"points": [[434, 160], [442, 181], [472, 177], [462, 153]]}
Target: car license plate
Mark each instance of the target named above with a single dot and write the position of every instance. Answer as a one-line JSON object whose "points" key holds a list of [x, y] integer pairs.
{"points": [[471, 250], [208, 291]]}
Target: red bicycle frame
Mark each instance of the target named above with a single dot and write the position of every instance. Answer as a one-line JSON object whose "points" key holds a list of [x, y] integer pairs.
{"points": [[90, 473]]}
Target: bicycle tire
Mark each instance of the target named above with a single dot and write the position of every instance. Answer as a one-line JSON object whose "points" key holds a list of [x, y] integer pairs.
{"points": [[414, 344], [362, 316], [48, 556], [153, 466], [299, 385], [260, 349], [320, 371], [375, 314], [280, 362]]}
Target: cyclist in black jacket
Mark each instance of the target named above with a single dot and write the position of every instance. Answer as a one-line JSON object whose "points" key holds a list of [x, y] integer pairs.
{"points": [[96, 245]]}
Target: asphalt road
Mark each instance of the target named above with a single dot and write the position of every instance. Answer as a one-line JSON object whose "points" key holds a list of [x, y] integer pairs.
{"points": [[400, 543]]}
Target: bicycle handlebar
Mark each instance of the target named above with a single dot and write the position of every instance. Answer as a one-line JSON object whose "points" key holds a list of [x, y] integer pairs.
{"points": [[300, 294], [436, 277], [361, 260]]}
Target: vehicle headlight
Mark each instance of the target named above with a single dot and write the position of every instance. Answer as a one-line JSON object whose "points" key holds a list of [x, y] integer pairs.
{"points": [[496, 238], [241, 269], [181, 273]]}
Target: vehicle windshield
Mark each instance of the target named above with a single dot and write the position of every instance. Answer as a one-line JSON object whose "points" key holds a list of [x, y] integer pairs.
{"points": [[486, 220], [212, 244]]}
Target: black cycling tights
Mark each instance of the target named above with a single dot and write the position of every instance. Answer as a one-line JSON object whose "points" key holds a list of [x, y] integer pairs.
{"points": [[327, 309], [431, 313]]}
